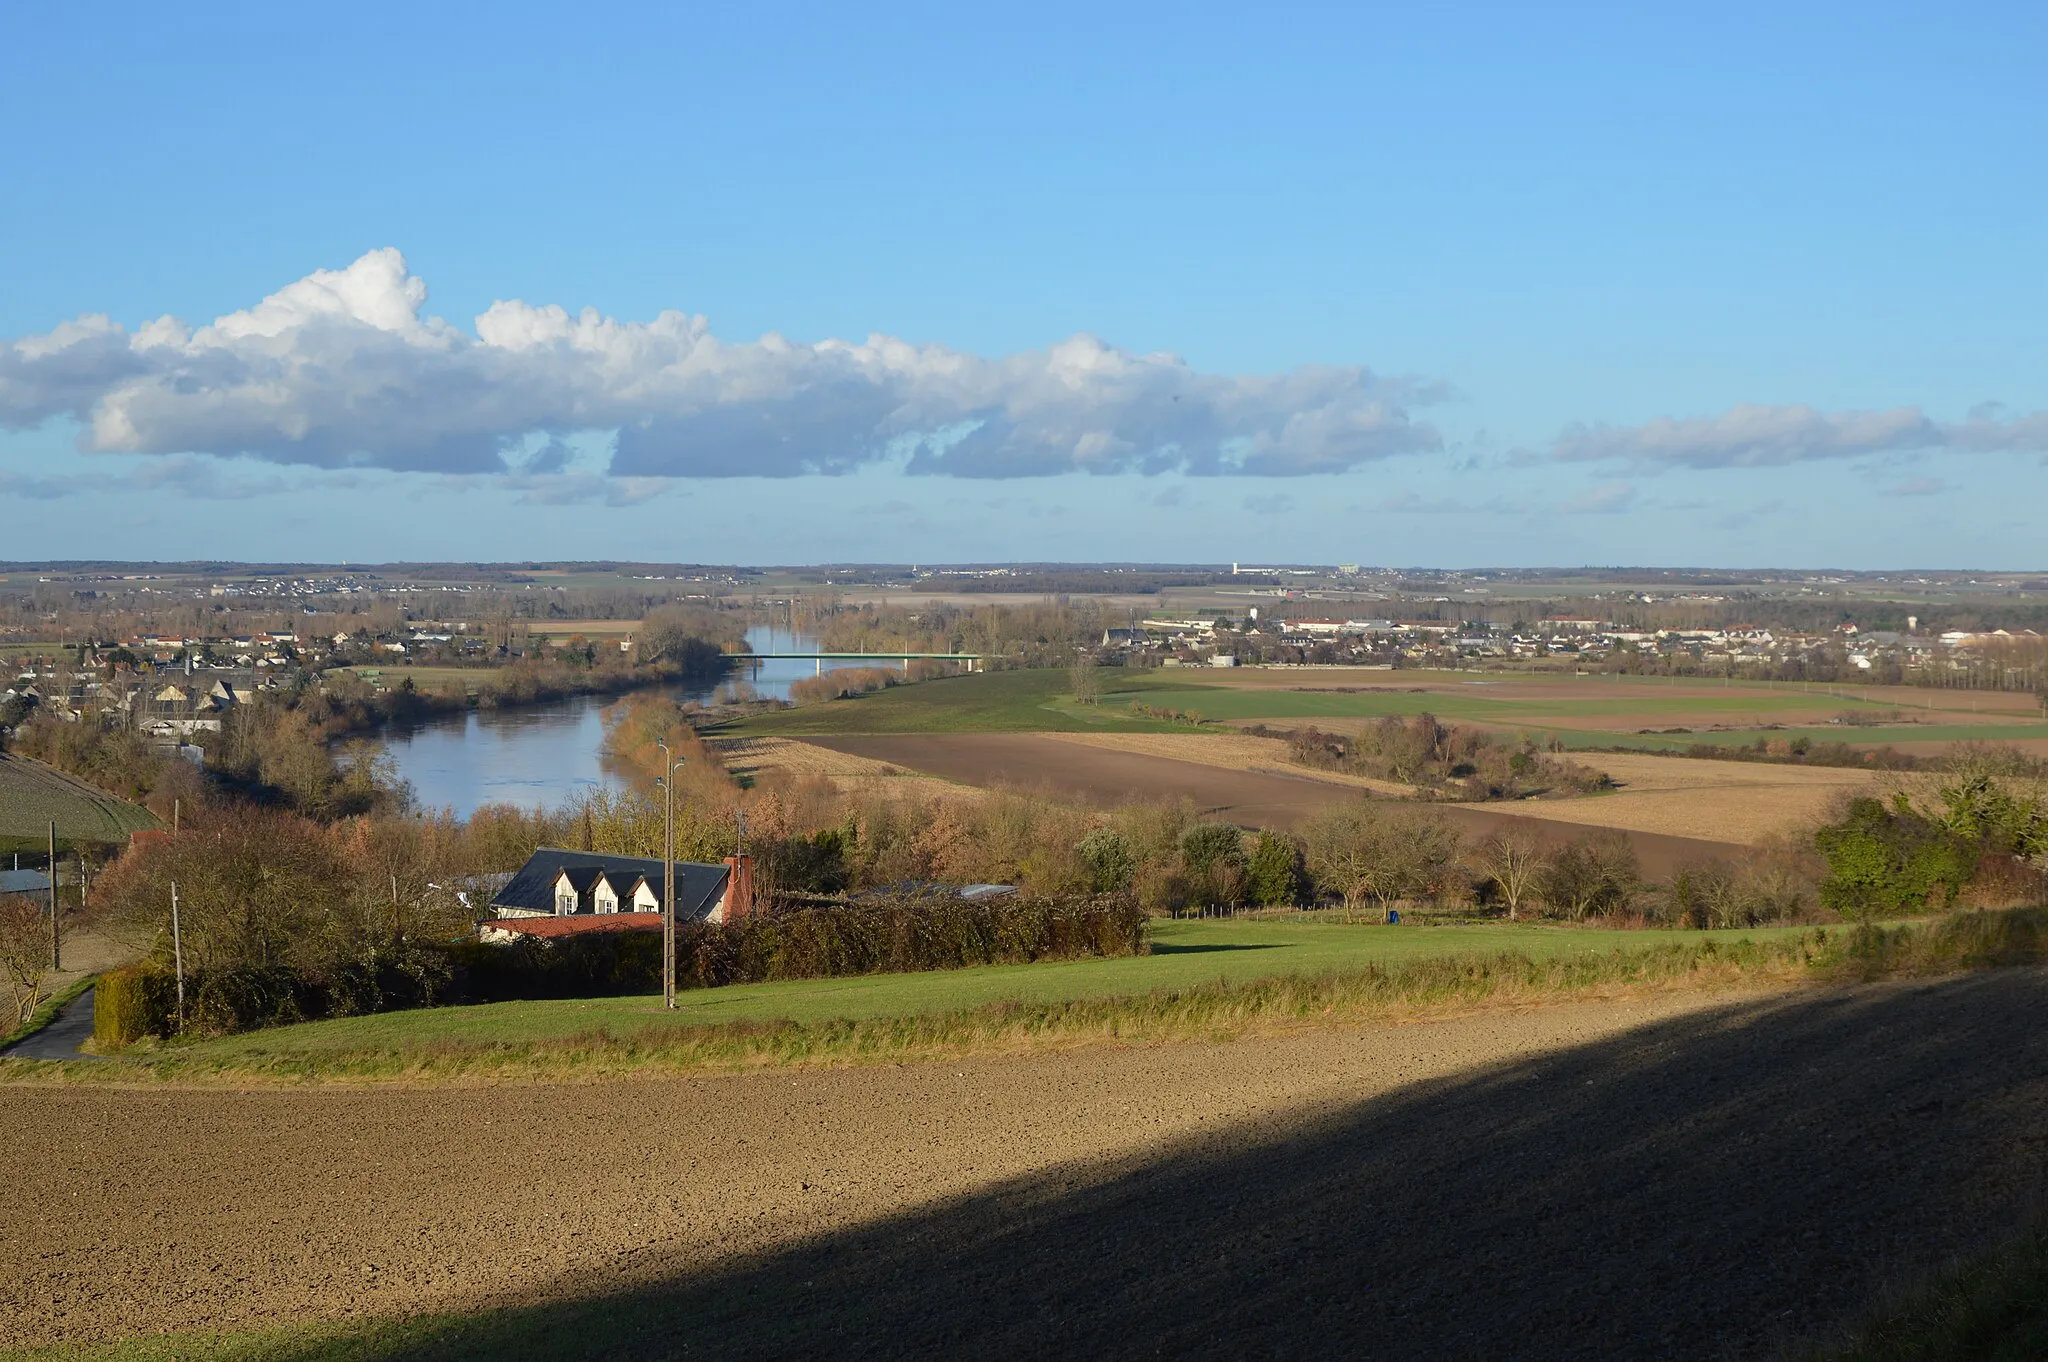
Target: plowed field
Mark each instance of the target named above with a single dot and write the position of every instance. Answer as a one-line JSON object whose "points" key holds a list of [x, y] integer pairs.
{"points": [[1697, 1177]]}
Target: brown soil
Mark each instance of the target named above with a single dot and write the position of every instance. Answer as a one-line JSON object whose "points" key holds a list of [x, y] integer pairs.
{"points": [[1722, 801], [757, 758], [1687, 1177], [1275, 799], [1717, 801], [1231, 751]]}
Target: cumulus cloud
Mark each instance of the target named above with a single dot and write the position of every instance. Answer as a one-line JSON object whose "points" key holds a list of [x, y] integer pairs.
{"points": [[344, 369], [1753, 436]]}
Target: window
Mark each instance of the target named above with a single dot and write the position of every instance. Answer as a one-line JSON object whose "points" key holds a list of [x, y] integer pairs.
{"points": [[565, 899]]}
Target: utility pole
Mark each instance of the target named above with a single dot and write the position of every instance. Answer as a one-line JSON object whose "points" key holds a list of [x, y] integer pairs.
{"points": [[178, 956], [669, 768], [56, 942]]}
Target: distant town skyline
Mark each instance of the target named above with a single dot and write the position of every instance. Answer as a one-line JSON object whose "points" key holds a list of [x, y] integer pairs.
{"points": [[1477, 286]]}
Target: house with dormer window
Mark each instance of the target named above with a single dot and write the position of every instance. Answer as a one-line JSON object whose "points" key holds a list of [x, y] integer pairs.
{"points": [[566, 893]]}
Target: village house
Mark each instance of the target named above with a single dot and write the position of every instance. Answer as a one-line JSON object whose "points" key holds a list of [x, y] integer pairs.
{"points": [[561, 893]]}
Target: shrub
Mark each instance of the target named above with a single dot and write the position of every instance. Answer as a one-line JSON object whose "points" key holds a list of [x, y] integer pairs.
{"points": [[1110, 860], [1205, 846], [1888, 860], [129, 1004]]}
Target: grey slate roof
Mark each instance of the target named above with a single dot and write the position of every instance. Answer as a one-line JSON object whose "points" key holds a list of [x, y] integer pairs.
{"points": [[31, 882], [698, 886]]}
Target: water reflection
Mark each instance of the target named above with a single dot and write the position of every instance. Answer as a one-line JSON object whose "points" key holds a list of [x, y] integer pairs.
{"points": [[543, 754]]}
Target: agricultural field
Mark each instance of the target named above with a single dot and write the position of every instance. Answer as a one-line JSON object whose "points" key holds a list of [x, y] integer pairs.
{"points": [[980, 702], [1186, 954], [32, 795], [1292, 1192], [471, 679], [1581, 712], [1023, 729], [1602, 711], [595, 630]]}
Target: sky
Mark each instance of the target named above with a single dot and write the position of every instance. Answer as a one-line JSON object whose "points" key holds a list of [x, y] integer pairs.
{"points": [[1456, 285]]}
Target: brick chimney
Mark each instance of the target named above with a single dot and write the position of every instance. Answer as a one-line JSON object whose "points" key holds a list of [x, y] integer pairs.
{"points": [[739, 887]]}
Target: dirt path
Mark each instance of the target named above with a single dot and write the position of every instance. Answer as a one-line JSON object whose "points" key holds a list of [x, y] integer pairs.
{"points": [[1105, 775], [1687, 1178]]}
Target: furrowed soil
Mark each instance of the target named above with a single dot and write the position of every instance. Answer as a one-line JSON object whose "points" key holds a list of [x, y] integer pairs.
{"points": [[1275, 798], [1722, 801], [754, 759], [1689, 1176]]}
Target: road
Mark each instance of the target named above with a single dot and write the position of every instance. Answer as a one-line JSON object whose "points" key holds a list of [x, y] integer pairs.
{"points": [[61, 1039]]}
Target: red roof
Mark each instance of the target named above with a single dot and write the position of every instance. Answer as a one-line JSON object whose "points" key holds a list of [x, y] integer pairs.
{"points": [[576, 925]]}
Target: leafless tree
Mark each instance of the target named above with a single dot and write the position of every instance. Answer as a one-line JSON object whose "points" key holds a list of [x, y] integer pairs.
{"points": [[1512, 856], [24, 953], [1087, 685]]}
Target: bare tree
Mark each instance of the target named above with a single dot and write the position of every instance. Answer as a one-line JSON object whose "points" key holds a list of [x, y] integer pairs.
{"points": [[1087, 685], [1380, 851], [24, 953], [1512, 856]]}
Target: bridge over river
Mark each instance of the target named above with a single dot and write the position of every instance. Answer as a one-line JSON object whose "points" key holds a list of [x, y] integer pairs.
{"points": [[973, 660]]}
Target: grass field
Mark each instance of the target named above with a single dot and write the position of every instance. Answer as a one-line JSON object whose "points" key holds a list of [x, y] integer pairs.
{"points": [[431, 678], [983, 702], [1581, 712], [1186, 954], [32, 795]]}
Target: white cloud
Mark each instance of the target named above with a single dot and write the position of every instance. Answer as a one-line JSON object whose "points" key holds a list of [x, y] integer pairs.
{"points": [[1609, 498], [343, 368], [1752, 436]]}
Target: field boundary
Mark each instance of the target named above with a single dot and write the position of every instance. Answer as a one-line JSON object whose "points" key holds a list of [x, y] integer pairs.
{"points": [[1426, 989]]}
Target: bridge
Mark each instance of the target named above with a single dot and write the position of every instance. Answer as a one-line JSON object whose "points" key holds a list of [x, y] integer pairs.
{"points": [[973, 660]]}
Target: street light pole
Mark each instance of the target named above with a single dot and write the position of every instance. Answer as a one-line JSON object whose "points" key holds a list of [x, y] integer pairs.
{"points": [[669, 767]]}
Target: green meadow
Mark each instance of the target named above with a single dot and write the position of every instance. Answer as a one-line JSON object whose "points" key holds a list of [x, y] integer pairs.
{"points": [[1186, 954]]}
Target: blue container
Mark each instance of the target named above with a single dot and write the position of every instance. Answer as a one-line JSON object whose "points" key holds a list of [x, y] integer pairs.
{"points": [[1393, 916]]}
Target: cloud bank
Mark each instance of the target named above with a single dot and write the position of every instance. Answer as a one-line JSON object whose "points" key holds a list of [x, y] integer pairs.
{"points": [[1772, 436], [344, 369]]}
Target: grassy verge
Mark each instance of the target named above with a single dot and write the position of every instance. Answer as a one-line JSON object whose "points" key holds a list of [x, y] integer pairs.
{"points": [[1220, 1009], [46, 1012], [1992, 1308]]}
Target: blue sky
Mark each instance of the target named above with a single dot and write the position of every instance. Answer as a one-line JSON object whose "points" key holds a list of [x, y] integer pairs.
{"points": [[1740, 285]]}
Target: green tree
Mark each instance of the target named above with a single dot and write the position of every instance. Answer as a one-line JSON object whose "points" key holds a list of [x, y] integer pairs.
{"points": [[1110, 860], [1273, 874]]}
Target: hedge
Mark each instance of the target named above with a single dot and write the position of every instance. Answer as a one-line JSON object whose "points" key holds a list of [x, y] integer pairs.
{"points": [[896, 934]]}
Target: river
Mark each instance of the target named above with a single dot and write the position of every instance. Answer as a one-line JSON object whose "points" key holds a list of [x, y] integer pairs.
{"points": [[539, 755]]}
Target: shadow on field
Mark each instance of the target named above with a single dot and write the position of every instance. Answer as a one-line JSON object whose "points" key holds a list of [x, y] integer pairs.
{"points": [[1166, 948], [1720, 1185]]}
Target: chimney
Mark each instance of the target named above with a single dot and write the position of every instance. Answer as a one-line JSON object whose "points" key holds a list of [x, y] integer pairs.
{"points": [[739, 888]]}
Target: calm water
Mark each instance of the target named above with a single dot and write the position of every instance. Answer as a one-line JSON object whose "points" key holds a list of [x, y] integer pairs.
{"points": [[544, 753]]}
